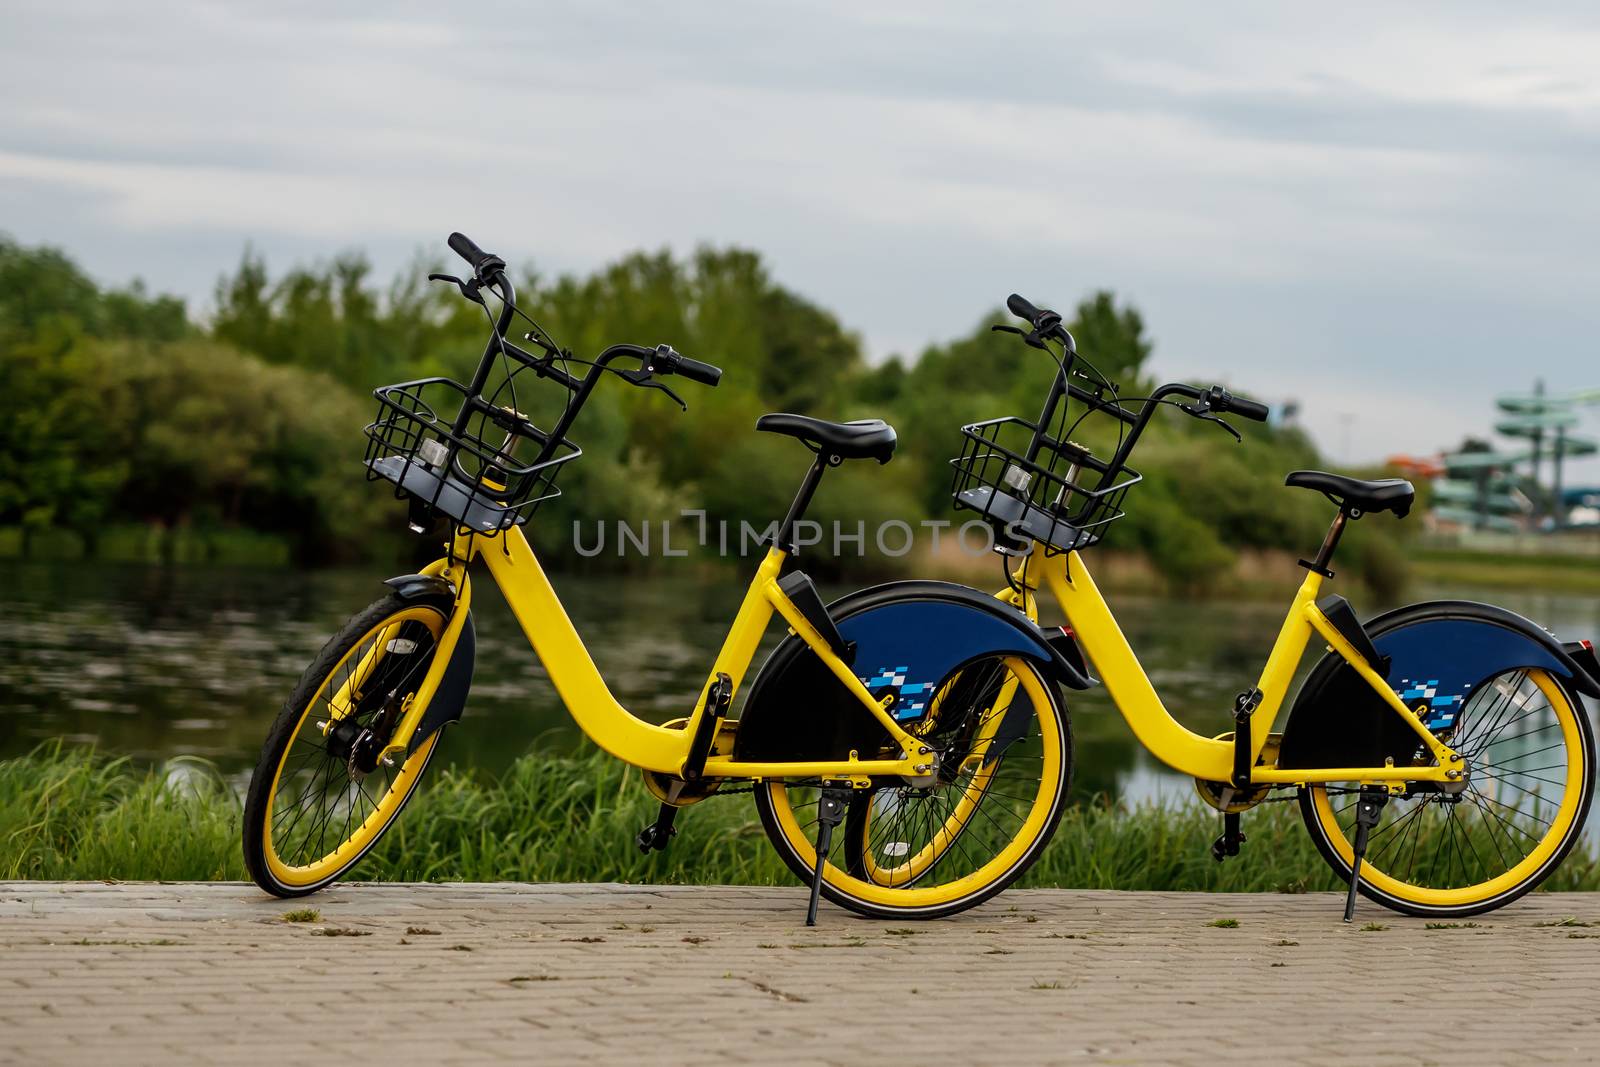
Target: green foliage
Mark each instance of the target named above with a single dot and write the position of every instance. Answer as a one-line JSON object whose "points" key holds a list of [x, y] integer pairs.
{"points": [[324, 317], [117, 412]]}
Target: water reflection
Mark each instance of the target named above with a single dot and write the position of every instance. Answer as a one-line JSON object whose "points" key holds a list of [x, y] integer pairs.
{"points": [[158, 662]]}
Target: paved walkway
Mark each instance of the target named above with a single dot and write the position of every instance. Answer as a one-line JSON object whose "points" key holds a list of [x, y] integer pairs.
{"points": [[444, 974]]}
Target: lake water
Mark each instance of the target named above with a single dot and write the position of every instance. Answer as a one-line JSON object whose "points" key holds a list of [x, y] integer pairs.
{"points": [[160, 662]]}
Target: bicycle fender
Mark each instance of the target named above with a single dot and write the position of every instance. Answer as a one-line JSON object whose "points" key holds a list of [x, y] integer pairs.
{"points": [[1053, 649], [1441, 653], [412, 586], [910, 638]]}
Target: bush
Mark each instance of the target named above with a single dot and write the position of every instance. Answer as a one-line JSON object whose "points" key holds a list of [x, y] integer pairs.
{"points": [[119, 411]]}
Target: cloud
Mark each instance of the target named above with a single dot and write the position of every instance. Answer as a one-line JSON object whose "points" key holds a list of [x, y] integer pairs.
{"points": [[1337, 203]]}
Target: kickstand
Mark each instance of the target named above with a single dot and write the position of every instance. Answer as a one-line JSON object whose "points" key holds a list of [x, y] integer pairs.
{"points": [[830, 810], [1368, 810]]}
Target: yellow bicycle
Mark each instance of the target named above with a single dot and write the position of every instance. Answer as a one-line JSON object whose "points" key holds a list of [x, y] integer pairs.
{"points": [[1441, 756], [941, 697]]}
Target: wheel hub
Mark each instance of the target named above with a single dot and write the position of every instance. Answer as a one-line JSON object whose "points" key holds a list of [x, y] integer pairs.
{"points": [[356, 746], [343, 737]]}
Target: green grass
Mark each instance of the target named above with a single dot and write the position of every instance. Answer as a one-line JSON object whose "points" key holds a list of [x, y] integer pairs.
{"points": [[66, 813], [1576, 574]]}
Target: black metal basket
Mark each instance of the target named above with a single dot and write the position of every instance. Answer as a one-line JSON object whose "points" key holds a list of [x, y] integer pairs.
{"points": [[463, 463], [1063, 496]]}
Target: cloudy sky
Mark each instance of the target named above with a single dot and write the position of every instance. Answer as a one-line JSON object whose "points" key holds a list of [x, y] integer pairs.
{"points": [[1387, 212]]}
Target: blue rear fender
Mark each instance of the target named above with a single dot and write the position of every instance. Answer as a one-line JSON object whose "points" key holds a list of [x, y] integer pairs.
{"points": [[949, 620], [907, 639], [1439, 654]]}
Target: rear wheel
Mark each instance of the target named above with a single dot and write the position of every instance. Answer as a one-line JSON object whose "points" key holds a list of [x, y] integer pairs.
{"points": [[320, 797], [1529, 752], [1005, 757]]}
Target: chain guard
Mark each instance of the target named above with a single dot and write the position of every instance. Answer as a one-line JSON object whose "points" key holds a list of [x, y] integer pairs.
{"points": [[1230, 800], [670, 789]]}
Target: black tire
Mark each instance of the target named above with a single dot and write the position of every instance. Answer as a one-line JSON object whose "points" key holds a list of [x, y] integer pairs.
{"points": [[299, 707], [851, 831]]}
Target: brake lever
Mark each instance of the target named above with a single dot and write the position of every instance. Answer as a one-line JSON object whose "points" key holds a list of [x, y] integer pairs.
{"points": [[642, 378], [468, 289], [1237, 436], [653, 384], [1204, 415], [1032, 338]]}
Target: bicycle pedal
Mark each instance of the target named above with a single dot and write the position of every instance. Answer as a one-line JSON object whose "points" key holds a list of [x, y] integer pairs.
{"points": [[1224, 846], [657, 835], [1228, 843], [652, 839]]}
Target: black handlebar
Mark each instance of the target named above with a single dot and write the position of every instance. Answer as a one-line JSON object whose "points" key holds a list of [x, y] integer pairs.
{"points": [[696, 371], [467, 249], [1223, 401], [1216, 399], [1045, 323], [668, 360], [484, 264], [490, 271], [1022, 309]]}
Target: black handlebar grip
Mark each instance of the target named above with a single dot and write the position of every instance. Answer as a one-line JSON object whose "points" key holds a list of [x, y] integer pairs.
{"points": [[1248, 409], [1022, 309], [696, 371], [462, 245]]}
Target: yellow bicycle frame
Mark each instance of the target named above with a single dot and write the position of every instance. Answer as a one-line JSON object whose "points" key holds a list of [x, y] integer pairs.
{"points": [[515, 569], [1180, 748]]}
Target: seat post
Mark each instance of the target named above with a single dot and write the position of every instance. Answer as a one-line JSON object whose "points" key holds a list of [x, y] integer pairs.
{"points": [[802, 500], [1329, 543]]}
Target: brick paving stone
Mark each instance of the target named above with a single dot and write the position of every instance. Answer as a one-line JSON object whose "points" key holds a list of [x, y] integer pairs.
{"points": [[208, 973]]}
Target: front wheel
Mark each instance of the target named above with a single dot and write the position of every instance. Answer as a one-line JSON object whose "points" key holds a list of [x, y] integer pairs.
{"points": [[321, 797], [1005, 758], [1529, 752]]}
